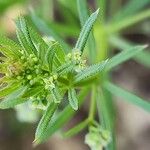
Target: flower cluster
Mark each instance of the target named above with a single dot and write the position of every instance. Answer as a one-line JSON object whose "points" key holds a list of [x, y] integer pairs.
{"points": [[97, 138], [75, 58]]}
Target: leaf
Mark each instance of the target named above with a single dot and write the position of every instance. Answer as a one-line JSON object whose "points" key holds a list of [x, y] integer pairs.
{"points": [[59, 58], [8, 47], [23, 28], [64, 68], [27, 49], [63, 117], [129, 97], [13, 99], [129, 21], [33, 91], [83, 15], [90, 71], [102, 4], [49, 56], [56, 95], [130, 8], [45, 120], [8, 89], [80, 44], [38, 42], [142, 57], [75, 130], [124, 56], [106, 113], [72, 97], [44, 27]]}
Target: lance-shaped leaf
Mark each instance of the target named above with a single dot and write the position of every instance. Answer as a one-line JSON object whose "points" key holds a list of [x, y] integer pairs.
{"points": [[8, 89], [13, 99], [50, 55], [90, 71], [127, 96], [9, 48], [44, 28], [63, 117], [83, 15], [34, 90], [86, 31], [59, 58], [38, 42], [24, 36], [27, 49], [124, 56], [56, 95], [65, 68], [72, 97], [42, 126], [75, 130], [130, 8]]}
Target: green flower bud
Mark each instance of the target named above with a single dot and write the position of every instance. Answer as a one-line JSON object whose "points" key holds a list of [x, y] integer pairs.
{"points": [[29, 77]]}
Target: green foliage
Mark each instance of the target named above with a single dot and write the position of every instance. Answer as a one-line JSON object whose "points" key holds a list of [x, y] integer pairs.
{"points": [[40, 71], [45, 120], [72, 97], [90, 71], [77, 128], [13, 99], [80, 44], [128, 96], [124, 56]]}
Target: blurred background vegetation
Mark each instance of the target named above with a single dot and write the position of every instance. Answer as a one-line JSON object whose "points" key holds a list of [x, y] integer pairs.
{"points": [[59, 18]]}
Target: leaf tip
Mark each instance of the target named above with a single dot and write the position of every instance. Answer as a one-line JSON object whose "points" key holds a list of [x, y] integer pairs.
{"points": [[35, 142], [97, 11]]}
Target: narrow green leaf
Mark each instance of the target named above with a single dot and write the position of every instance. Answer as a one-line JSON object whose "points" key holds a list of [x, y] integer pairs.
{"points": [[127, 96], [8, 47], [63, 117], [90, 71], [80, 44], [33, 91], [56, 95], [45, 120], [106, 114], [124, 56], [130, 8], [64, 68], [50, 55], [102, 4], [8, 89], [142, 57], [38, 42], [72, 97], [75, 130], [13, 99], [22, 26], [129, 21], [27, 49], [44, 27], [83, 15], [59, 58]]}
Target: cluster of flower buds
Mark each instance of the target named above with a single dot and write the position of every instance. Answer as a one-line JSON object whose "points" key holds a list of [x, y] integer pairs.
{"points": [[26, 70], [38, 102], [50, 81], [75, 57], [97, 138]]}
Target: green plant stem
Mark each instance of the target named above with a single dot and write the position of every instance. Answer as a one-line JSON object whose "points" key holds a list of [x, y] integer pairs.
{"points": [[93, 104], [117, 26], [102, 6], [101, 42]]}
